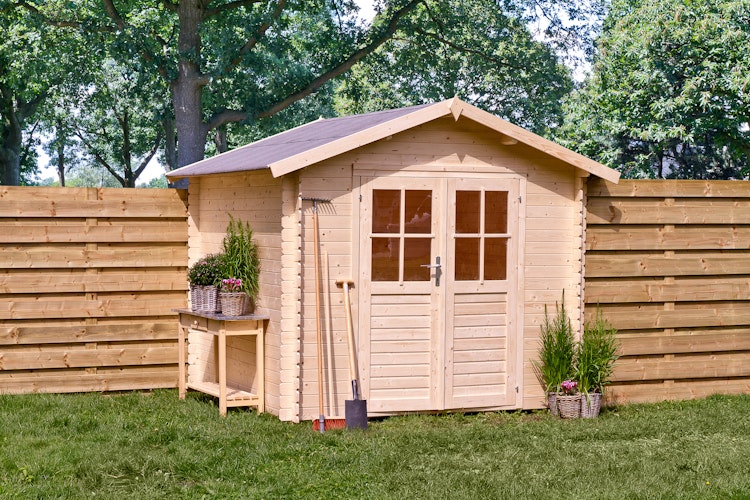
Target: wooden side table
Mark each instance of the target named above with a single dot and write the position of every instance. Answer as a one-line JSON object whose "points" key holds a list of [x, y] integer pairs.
{"points": [[221, 327]]}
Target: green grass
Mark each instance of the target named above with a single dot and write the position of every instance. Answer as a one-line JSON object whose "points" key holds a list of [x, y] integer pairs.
{"points": [[154, 445]]}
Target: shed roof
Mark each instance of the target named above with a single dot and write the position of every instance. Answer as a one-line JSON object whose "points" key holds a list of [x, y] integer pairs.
{"points": [[324, 138]]}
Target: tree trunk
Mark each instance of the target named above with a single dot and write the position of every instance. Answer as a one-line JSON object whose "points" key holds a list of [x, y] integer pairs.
{"points": [[170, 143], [220, 139], [60, 153], [187, 88], [11, 137]]}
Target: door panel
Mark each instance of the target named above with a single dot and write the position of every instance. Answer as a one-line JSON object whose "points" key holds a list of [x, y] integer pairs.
{"points": [[438, 337]]}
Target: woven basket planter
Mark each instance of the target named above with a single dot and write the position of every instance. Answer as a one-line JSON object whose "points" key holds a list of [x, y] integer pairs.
{"points": [[591, 404], [233, 303], [552, 404], [204, 298], [569, 406]]}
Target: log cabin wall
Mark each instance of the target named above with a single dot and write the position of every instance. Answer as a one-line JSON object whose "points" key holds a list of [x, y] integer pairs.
{"points": [[551, 231], [668, 263], [88, 281], [254, 197]]}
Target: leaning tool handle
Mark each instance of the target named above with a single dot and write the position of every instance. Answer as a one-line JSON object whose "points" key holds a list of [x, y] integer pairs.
{"points": [[350, 337]]}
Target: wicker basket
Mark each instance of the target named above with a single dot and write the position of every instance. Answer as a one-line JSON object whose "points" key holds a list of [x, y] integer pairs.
{"points": [[552, 404], [591, 404], [232, 303], [204, 298], [569, 406]]}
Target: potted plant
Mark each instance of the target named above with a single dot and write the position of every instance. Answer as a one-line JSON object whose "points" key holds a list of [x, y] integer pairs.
{"points": [[204, 276], [241, 261], [569, 399], [557, 352], [232, 297], [597, 353]]}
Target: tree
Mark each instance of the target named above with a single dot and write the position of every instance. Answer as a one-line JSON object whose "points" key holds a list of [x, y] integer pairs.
{"points": [[477, 51], [117, 121], [669, 92], [238, 61]]}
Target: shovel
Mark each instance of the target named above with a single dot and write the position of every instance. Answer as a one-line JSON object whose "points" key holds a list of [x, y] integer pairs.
{"points": [[355, 409]]}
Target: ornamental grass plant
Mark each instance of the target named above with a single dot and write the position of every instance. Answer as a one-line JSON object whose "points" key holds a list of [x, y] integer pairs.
{"points": [[241, 260], [557, 352], [596, 355]]}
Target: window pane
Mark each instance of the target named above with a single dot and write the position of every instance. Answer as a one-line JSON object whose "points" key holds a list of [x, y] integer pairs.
{"points": [[467, 212], [386, 211], [385, 259], [416, 253], [496, 212], [467, 259], [418, 214], [495, 258]]}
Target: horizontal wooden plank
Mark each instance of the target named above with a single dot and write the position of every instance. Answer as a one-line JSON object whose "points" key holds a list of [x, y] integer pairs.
{"points": [[82, 380], [668, 188], [73, 356], [689, 341], [658, 211], [679, 237], [690, 315], [79, 256], [22, 281], [697, 366], [19, 309], [147, 330], [621, 264], [656, 289], [79, 230], [655, 391]]}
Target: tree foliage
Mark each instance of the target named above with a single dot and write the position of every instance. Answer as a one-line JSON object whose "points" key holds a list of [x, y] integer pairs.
{"points": [[236, 70], [670, 91], [477, 51]]}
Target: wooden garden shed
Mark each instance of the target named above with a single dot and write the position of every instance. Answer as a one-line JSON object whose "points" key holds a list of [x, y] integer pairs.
{"points": [[456, 227]]}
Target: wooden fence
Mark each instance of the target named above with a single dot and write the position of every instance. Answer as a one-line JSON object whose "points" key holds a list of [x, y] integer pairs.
{"points": [[88, 280], [668, 263]]}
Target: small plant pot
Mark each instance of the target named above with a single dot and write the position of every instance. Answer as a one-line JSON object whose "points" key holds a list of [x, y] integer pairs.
{"points": [[232, 303], [591, 404], [204, 298], [569, 406]]}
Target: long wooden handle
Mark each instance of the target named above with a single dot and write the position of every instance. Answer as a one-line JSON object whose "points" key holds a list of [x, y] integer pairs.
{"points": [[350, 334], [317, 310]]}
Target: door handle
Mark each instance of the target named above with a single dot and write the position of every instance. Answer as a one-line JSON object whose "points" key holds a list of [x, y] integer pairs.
{"points": [[438, 269]]}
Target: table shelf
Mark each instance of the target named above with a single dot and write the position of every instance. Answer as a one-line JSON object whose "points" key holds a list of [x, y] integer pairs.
{"points": [[221, 327]]}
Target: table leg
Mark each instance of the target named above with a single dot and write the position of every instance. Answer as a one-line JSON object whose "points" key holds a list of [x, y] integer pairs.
{"points": [[181, 361], [222, 373], [260, 371]]}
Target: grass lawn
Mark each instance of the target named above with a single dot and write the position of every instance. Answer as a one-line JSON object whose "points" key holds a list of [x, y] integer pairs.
{"points": [[152, 445]]}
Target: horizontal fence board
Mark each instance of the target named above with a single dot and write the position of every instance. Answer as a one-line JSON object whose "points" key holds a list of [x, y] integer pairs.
{"points": [[681, 342], [89, 279], [34, 281], [668, 265], [79, 256], [719, 365], [89, 308], [651, 211], [653, 237], [94, 380], [667, 189], [79, 230], [622, 264], [657, 289], [31, 335], [689, 315], [81, 356]]}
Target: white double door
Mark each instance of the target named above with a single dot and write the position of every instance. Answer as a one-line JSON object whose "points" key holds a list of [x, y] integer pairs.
{"points": [[438, 271]]}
